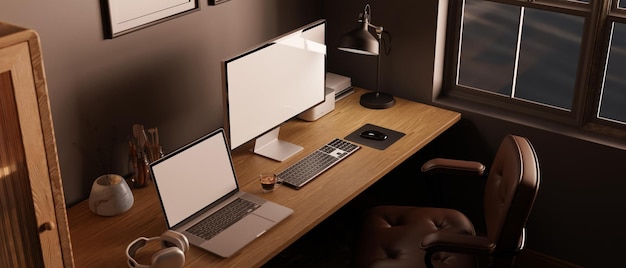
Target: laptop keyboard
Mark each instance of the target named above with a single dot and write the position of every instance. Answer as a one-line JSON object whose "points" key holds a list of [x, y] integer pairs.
{"points": [[309, 167], [223, 218]]}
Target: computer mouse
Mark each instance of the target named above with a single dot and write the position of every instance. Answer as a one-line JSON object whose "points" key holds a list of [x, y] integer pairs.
{"points": [[374, 135]]}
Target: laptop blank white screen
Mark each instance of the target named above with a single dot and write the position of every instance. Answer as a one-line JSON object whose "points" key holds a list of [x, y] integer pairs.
{"points": [[194, 177]]}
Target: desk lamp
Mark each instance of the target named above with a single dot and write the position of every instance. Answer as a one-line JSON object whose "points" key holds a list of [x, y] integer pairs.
{"points": [[361, 41]]}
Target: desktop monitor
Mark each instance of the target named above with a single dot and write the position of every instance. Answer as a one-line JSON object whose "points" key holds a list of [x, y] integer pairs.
{"points": [[272, 83]]}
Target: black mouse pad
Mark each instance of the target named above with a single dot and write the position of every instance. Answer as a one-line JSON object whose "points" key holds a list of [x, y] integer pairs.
{"points": [[392, 136]]}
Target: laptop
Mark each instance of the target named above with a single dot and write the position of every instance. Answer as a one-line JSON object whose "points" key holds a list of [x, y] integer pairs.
{"points": [[196, 182]]}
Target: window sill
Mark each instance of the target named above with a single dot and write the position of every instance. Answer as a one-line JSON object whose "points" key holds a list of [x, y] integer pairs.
{"points": [[465, 106]]}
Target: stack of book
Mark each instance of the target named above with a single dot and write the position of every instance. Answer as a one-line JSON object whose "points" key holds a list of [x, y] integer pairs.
{"points": [[340, 84]]}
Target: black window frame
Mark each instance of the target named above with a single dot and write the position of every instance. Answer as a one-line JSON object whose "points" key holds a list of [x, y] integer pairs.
{"points": [[598, 16]]}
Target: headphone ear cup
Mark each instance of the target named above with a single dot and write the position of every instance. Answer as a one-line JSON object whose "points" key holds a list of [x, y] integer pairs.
{"points": [[171, 257], [171, 238]]}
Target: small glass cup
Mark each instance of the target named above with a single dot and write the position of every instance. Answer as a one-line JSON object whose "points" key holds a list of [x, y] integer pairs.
{"points": [[268, 182]]}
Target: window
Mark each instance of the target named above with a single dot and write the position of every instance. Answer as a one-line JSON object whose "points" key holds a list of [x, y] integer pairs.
{"points": [[564, 60], [613, 93]]}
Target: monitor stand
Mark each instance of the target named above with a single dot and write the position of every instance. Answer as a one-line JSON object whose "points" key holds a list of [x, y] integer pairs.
{"points": [[271, 147]]}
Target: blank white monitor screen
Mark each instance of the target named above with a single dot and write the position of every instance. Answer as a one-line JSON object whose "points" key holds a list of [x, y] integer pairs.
{"points": [[275, 82]]}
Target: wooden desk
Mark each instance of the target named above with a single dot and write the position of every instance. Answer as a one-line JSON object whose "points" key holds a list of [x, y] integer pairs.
{"points": [[101, 241]]}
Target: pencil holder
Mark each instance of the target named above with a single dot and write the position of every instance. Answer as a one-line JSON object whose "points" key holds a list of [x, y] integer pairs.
{"points": [[141, 173]]}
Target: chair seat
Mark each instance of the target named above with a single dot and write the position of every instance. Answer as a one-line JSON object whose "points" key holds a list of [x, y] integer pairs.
{"points": [[391, 235], [394, 236]]}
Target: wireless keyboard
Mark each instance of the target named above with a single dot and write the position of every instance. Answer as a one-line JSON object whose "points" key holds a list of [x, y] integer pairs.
{"points": [[309, 167]]}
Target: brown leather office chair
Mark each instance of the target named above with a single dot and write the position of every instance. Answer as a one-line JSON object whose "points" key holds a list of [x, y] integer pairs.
{"points": [[404, 236]]}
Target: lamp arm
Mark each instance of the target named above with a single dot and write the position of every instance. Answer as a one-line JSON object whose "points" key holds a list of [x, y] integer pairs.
{"points": [[378, 29], [367, 16]]}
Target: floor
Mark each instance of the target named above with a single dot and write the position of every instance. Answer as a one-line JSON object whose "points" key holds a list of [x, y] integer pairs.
{"points": [[330, 244]]}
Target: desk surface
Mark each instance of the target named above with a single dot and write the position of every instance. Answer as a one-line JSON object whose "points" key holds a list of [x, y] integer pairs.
{"points": [[101, 241]]}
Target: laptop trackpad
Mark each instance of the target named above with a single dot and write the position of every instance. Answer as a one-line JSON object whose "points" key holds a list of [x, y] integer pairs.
{"points": [[239, 234]]}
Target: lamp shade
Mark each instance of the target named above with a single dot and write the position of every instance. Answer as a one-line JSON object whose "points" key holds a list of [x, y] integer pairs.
{"points": [[360, 41]]}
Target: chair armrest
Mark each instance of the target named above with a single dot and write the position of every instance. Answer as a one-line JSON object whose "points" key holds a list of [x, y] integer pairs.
{"points": [[459, 243], [453, 166]]}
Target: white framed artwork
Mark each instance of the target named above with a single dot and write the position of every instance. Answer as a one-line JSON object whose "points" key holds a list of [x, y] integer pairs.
{"points": [[124, 16]]}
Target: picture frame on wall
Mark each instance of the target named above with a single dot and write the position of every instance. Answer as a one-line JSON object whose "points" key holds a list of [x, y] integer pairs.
{"points": [[216, 2], [124, 16]]}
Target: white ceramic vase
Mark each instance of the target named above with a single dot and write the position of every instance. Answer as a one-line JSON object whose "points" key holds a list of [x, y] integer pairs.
{"points": [[110, 195]]}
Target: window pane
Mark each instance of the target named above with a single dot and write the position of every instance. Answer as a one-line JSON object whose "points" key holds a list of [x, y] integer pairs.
{"points": [[487, 57], [548, 60], [622, 4], [613, 101]]}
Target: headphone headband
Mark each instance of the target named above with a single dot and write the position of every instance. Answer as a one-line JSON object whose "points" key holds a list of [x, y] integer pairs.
{"points": [[172, 255]]}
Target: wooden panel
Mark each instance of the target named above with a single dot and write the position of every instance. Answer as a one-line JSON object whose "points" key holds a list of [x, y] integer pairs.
{"points": [[32, 134], [53, 184], [16, 204], [33, 205]]}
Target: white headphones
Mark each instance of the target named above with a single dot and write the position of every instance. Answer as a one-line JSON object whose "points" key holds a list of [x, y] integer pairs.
{"points": [[172, 255]]}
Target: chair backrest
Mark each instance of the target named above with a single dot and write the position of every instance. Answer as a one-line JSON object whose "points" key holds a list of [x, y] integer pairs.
{"points": [[510, 191]]}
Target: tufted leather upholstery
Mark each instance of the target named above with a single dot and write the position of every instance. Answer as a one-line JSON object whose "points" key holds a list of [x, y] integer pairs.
{"points": [[393, 235], [402, 236]]}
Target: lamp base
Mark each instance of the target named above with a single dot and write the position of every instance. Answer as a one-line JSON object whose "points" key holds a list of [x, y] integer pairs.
{"points": [[377, 100]]}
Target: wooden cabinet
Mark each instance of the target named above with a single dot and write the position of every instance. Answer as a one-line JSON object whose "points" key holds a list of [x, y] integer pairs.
{"points": [[33, 223]]}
